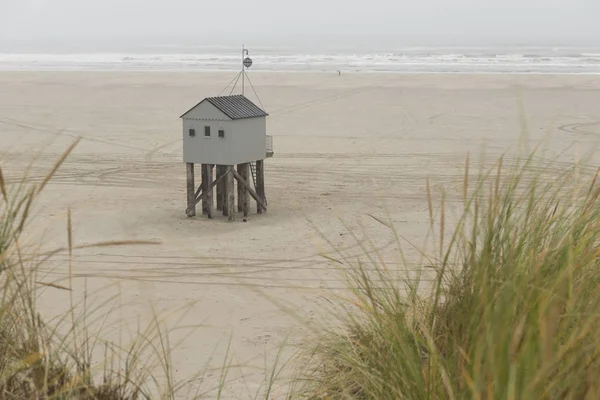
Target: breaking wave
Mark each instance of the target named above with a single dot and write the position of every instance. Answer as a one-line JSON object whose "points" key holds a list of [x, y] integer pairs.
{"points": [[412, 60]]}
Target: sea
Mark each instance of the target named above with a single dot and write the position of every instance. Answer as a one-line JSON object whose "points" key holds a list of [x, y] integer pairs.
{"points": [[414, 59]]}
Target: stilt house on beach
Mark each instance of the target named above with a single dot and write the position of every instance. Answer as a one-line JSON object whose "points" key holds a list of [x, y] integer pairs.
{"points": [[227, 137]]}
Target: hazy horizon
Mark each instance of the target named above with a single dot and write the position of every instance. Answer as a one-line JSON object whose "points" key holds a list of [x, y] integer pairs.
{"points": [[63, 24]]}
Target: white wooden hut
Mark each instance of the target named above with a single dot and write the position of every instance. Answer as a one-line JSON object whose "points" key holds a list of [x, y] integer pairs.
{"points": [[225, 132]]}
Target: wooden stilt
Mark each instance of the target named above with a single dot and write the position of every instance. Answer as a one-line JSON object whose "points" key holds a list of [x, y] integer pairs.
{"points": [[211, 187], [240, 190], [209, 192], [260, 185], [220, 187], [250, 190], [191, 194], [245, 197], [205, 184], [225, 191], [230, 193]]}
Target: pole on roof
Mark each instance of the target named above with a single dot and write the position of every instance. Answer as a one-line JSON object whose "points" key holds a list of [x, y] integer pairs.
{"points": [[246, 63], [244, 52]]}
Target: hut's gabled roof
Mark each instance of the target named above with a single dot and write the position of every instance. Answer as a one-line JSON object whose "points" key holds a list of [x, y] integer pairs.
{"points": [[235, 107]]}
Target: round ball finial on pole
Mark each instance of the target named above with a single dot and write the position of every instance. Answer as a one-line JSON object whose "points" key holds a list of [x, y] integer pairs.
{"points": [[246, 63]]}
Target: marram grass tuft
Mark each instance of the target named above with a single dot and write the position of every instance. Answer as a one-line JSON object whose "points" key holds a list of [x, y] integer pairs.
{"points": [[514, 312], [38, 363]]}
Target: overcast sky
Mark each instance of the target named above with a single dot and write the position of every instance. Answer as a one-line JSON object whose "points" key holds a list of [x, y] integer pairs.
{"points": [[459, 21]]}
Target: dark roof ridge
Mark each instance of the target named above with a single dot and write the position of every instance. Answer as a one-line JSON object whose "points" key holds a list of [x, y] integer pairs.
{"points": [[234, 106]]}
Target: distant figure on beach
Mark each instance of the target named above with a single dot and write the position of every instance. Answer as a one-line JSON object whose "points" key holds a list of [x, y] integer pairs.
{"points": [[339, 72]]}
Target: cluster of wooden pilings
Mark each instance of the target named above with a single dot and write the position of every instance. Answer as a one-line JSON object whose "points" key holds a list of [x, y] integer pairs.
{"points": [[220, 180]]}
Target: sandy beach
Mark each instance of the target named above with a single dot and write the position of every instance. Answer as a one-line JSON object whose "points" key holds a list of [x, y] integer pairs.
{"points": [[345, 147]]}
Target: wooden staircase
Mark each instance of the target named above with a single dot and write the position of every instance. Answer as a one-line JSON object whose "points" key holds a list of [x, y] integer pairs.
{"points": [[253, 173]]}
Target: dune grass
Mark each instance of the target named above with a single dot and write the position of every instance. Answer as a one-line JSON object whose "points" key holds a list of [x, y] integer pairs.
{"points": [[40, 360], [514, 311]]}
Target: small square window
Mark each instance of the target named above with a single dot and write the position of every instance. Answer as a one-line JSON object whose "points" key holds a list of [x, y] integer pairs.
{"points": [[221, 133], [192, 132], [207, 131]]}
